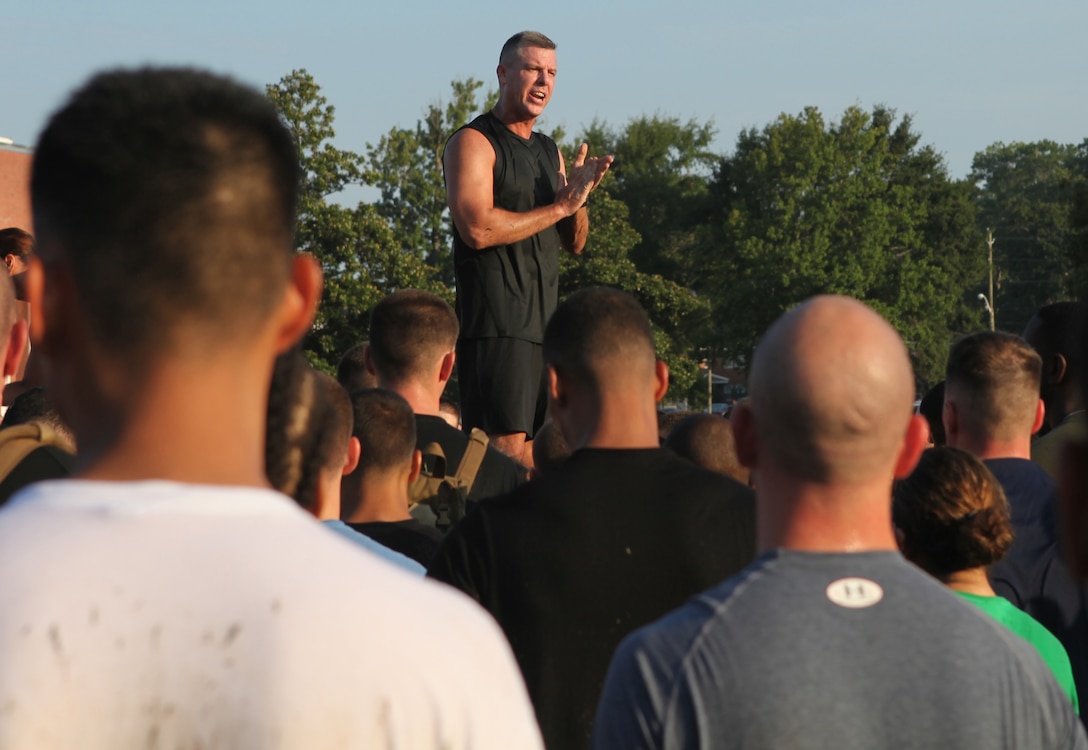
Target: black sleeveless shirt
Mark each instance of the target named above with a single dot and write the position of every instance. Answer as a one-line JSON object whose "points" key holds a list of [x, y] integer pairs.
{"points": [[511, 290]]}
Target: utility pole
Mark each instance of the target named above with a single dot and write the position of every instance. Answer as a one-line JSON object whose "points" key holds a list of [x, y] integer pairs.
{"points": [[709, 387], [992, 304]]}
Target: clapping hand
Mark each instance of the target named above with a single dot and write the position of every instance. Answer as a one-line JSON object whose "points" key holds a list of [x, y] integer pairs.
{"points": [[582, 178]]}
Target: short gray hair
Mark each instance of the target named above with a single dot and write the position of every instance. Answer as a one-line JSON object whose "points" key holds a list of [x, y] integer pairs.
{"points": [[523, 39]]}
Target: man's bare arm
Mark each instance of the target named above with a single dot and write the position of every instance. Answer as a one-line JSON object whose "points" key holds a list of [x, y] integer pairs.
{"points": [[470, 164], [574, 231], [470, 161]]}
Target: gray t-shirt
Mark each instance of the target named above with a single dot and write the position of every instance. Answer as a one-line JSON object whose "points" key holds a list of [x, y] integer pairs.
{"points": [[833, 651]]}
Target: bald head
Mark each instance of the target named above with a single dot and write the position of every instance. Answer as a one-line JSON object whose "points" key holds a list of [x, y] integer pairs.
{"points": [[831, 389]]}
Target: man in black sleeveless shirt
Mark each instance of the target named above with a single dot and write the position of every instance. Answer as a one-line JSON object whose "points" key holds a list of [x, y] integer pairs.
{"points": [[513, 206]]}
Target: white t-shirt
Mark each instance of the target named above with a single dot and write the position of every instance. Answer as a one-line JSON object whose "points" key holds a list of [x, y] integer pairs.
{"points": [[158, 614]]}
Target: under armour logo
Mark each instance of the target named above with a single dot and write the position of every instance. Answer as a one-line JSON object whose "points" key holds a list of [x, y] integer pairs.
{"points": [[854, 593]]}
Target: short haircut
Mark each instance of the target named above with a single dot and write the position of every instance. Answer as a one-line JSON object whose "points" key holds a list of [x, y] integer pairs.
{"points": [[338, 426], [523, 39], [410, 331], [707, 441], [599, 336], [993, 378], [386, 428], [15, 241], [550, 449], [308, 428], [448, 408], [931, 407], [1057, 329], [172, 195], [666, 420], [952, 513], [32, 405], [351, 370]]}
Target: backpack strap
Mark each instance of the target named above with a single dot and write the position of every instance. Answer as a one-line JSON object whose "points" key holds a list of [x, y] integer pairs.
{"points": [[18, 441], [431, 476], [470, 462]]}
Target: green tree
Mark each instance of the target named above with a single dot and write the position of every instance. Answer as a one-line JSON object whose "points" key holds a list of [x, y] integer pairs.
{"points": [[676, 313], [406, 166], [1025, 196], [662, 172], [357, 250], [1077, 249], [853, 207]]}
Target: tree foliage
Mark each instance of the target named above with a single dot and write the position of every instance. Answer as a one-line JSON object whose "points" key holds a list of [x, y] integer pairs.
{"points": [[854, 207], [1077, 248], [662, 171], [716, 247], [675, 312], [356, 247], [1025, 196], [406, 166]]}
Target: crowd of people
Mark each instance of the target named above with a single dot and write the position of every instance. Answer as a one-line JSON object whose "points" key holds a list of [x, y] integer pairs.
{"points": [[210, 544]]}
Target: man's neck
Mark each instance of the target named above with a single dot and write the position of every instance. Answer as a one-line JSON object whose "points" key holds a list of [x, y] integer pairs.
{"points": [[821, 518], [973, 581], [616, 423], [1060, 409], [520, 128], [200, 424], [376, 498], [985, 448], [422, 399]]}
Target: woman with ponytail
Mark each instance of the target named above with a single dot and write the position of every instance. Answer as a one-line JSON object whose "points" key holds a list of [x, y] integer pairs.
{"points": [[952, 520]]}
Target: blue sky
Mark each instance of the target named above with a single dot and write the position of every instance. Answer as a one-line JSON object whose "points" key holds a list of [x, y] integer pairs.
{"points": [[971, 72]]}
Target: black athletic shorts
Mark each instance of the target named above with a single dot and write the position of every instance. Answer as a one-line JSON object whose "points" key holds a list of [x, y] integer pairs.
{"points": [[503, 385]]}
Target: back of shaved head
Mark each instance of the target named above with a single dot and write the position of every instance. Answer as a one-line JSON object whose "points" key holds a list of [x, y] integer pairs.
{"points": [[993, 377], [831, 390], [599, 337]]}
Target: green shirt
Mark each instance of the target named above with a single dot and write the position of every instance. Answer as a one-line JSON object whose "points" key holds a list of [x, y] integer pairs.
{"points": [[1021, 623]]}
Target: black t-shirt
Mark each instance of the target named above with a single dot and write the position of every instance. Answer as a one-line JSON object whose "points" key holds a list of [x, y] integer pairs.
{"points": [[498, 472], [410, 538], [573, 561], [46, 462], [512, 290]]}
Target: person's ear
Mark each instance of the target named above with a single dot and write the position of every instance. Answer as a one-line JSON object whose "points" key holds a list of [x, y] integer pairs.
{"points": [[914, 442], [300, 300], [417, 466], [899, 537], [53, 300], [951, 421], [9, 261], [661, 380], [557, 392], [355, 448], [368, 360], [1040, 417], [1055, 370], [743, 424], [445, 372], [16, 346]]}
